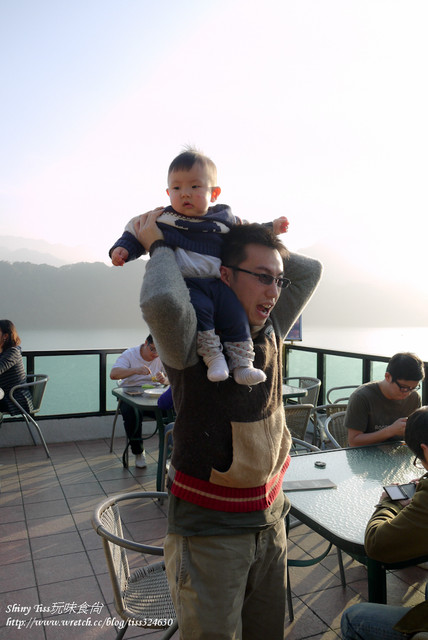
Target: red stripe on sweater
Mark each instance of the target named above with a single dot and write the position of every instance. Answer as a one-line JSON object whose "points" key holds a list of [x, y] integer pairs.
{"points": [[220, 498]]}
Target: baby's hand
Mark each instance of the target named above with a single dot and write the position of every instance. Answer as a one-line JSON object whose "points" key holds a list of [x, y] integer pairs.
{"points": [[280, 225], [119, 256]]}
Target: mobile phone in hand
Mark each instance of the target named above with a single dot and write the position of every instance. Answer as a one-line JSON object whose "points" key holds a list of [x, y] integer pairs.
{"points": [[401, 491]]}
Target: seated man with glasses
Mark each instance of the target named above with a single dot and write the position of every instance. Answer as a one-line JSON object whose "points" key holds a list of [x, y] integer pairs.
{"points": [[397, 531], [378, 411]]}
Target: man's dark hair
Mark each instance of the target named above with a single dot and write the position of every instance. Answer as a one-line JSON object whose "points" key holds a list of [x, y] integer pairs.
{"points": [[149, 339], [235, 242], [416, 432], [406, 366]]}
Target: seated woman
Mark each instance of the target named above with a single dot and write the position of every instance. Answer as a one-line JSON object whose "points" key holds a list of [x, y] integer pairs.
{"points": [[12, 370], [398, 530]]}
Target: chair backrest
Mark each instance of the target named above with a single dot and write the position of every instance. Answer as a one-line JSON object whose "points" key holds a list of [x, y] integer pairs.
{"points": [[319, 417], [324, 411], [312, 385], [297, 418], [336, 431], [340, 394], [107, 522], [297, 446], [37, 384], [117, 559]]}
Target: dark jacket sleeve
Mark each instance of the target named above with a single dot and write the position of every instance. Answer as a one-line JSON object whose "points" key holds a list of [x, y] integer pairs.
{"points": [[395, 533], [131, 244]]}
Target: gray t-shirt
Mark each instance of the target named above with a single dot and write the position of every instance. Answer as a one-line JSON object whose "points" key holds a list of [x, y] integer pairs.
{"points": [[369, 410]]}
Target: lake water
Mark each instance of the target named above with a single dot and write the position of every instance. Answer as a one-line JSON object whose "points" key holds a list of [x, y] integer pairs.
{"points": [[376, 341], [73, 381]]}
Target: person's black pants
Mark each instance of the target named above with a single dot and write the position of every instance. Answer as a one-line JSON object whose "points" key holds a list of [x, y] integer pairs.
{"points": [[133, 427]]}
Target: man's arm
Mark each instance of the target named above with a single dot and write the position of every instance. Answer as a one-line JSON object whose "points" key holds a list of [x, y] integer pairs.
{"points": [[305, 274], [120, 373], [395, 533], [359, 438], [357, 422], [165, 299], [166, 307]]}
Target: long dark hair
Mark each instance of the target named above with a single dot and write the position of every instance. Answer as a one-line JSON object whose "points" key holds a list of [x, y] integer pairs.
{"points": [[13, 340]]}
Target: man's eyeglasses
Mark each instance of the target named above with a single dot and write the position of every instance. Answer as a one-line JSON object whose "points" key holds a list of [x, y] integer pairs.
{"points": [[417, 463], [152, 348], [406, 389], [265, 278]]}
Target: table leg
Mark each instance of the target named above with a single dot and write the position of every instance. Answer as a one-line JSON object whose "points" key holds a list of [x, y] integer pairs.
{"points": [[376, 576]]}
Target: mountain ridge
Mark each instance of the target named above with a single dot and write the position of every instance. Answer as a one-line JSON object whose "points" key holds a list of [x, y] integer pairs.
{"points": [[90, 294]]}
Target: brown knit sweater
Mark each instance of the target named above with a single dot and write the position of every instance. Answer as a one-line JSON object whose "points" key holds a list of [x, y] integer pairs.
{"points": [[231, 444]]}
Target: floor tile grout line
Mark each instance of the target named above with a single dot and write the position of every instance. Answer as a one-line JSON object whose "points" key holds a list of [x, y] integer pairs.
{"points": [[28, 536]]}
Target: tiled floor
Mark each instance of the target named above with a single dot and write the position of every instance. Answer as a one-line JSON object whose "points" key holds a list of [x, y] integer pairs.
{"points": [[50, 557]]}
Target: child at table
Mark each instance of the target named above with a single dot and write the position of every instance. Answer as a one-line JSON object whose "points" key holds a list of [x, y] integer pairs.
{"points": [[194, 230]]}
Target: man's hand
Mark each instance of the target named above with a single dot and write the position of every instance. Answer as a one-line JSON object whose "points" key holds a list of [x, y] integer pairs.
{"points": [[280, 225], [142, 371], [146, 229], [404, 503], [160, 377], [398, 427], [119, 256]]}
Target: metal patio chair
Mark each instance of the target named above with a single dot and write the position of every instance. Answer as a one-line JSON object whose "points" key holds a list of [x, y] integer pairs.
{"points": [[336, 431], [167, 450], [343, 394], [142, 596], [319, 417], [312, 385], [36, 385], [297, 418]]}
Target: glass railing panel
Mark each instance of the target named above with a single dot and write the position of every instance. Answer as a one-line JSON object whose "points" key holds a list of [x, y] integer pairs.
{"points": [[341, 371], [73, 385], [377, 370], [302, 363]]}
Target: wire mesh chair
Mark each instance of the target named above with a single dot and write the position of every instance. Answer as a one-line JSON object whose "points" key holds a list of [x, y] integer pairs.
{"points": [[312, 385], [167, 450], [36, 385], [297, 419], [336, 431], [141, 597], [319, 417], [343, 394]]}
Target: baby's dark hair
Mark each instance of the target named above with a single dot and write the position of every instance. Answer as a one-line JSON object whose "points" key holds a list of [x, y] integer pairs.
{"points": [[416, 432], [186, 160], [235, 242], [406, 366]]}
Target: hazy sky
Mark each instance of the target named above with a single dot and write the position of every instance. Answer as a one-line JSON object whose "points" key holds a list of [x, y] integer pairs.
{"points": [[314, 109]]}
